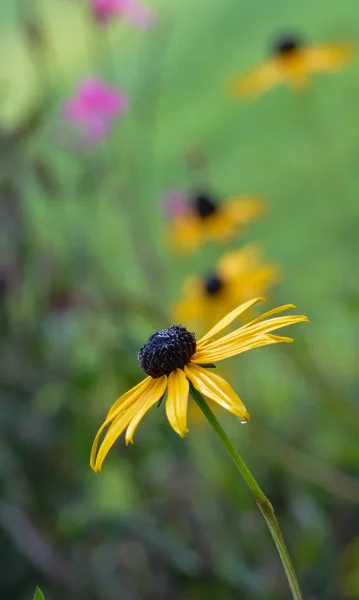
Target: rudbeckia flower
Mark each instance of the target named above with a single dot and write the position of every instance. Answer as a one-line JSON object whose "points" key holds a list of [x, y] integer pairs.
{"points": [[94, 107], [173, 359], [133, 11], [200, 218], [237, 277], [293, 63]]}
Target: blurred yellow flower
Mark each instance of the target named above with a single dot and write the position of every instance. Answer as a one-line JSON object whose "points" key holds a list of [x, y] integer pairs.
{"points": [[237, 277], [293, 63], [202, 219], [173, 359]]}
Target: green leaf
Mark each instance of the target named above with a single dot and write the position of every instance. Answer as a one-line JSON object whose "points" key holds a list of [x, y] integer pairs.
{"points": [[38, 594]]}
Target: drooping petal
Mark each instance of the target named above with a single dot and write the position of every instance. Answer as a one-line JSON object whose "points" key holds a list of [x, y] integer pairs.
{"points": [[122, 419], [157, 392], [122, 404], [227, 320], [216, 388], [259, 79], [118, 425], [177, 401]]}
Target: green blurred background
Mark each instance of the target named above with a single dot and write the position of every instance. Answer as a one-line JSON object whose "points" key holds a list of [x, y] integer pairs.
{"points": [[86, 276]]}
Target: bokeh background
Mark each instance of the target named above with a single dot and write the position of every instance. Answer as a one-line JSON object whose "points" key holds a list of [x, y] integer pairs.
{"points": [[87, 274]]}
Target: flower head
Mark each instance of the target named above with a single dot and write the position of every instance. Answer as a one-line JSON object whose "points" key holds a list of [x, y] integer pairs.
{"points": [[133, 11], [94, 107], [235, 278], [173, 359], [198, 218], [293, 63]]}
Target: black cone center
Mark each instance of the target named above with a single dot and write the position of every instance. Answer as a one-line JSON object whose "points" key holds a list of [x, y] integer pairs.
{"points": [[204, 205], [286, 45], [167, 350], [213, 284]]}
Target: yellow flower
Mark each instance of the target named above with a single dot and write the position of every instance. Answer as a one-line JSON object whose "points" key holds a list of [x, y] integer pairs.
{"points": [[293, 63], [172, 359], [237, 277], [203, 219]]}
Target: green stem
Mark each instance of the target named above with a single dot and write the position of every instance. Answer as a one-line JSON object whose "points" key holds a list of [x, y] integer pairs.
{"points": [[263, 503]]}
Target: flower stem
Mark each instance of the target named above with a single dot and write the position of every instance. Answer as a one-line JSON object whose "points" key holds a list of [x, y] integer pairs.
{"points": [[263, 503]]}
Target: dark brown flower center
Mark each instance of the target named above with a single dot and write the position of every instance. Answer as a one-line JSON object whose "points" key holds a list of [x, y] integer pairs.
{"points": [[286, 45], [213, 284], [167, 350], [204, 205]]}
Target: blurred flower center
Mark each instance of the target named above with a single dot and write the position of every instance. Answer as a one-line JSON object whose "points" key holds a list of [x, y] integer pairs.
{"points": [[167, 350], [204, 206], [286, 45], [213, 284]]}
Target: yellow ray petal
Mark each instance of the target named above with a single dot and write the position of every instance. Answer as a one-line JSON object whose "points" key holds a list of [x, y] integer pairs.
{"points": [[327, 58], [248, 326], [157, 392], [270, 325], [269, 313], [177, 401], [242, 210], [280, 339], [227, 320], [118, 425], [233, 263], [216, 388], [259, 79], [130, 398], [212, 356], [121, 401], [186, 233], [250, 332]]}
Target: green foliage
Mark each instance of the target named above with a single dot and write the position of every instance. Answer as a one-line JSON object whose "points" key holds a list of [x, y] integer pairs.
{"points": [[38, 594]]}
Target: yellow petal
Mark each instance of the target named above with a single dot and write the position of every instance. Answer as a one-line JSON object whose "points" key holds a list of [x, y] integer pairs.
{"points": [[280, 339], [242, 210], [327, 58], [129, 399], [234, 349], [227, 320], [157, 392], [216, 388], [259, 79], [191, 306], [269, 313], [177, 401], [237, 262], [121, 401], [186, 233], [119, 424], [251, 331], [270, 325]]}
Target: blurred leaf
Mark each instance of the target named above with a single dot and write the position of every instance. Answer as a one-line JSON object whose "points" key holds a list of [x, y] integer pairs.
{"points": [[38, 594]]}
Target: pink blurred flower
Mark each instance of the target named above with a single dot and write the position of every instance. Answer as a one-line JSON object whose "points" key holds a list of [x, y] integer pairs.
{"points": [[94, 107], [133, 11], [176, 203]]}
